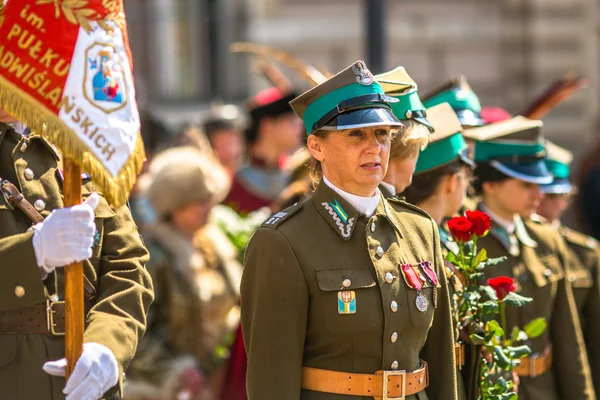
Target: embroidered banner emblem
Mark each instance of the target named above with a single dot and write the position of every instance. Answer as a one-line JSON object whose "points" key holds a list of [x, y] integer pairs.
{"points": [[347, 302], [340, 216]]}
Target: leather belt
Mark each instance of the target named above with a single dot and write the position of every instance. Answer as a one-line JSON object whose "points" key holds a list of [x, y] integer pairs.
{"points": [[459, 355], [536, 364], [15, 198], [39, 318], [383, 385]]}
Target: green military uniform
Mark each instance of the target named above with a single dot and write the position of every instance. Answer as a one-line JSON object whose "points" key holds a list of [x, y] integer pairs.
{"points": [[328, 291], [118, 290], [584, 258], [537, 259], [290, 298]]}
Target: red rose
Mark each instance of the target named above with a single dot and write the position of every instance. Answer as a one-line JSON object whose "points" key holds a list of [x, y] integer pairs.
{"points": [[480, 220], [503, 285], [460, 228]]}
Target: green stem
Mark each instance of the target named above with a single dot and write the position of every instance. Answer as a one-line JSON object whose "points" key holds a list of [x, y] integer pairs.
{"points": [[503, 320], [461, 247]]}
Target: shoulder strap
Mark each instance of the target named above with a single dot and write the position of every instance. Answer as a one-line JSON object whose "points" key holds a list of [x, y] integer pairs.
{"points": [[401, 201]]}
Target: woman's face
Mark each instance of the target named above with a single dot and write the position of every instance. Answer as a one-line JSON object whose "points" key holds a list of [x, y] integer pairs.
{"points": [[553, 205], [191, 217], [513, 197], [354, 160], [400, 172]]}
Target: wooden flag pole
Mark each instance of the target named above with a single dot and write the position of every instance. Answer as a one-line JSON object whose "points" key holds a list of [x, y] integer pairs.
{"points": [[74, 303]]}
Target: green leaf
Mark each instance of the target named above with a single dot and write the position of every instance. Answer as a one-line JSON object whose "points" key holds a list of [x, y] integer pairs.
{"points": [[519, 351], [489, 310], [516, 300], [495, 328], [476, 276], [501, 359], [495, 261], [535, 328], [476, 339], [481, 257], [490, 292], [451, 257]]}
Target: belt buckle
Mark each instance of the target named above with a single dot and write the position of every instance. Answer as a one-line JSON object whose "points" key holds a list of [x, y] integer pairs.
{"points": [[50, 317], [532, 358], [386, 375]]}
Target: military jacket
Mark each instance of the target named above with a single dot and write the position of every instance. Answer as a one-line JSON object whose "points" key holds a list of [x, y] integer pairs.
{"points": [[118, 290], [584, 266], [196, 312], [536, 259], [296, 266]]}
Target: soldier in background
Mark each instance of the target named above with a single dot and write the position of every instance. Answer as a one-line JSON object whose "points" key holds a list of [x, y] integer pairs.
{"points": [[584, 256], [222, 128], [273, 133], [197, 279]]}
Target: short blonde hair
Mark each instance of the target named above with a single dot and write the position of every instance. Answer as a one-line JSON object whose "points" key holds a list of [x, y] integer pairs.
{"points": [[410, 141]]}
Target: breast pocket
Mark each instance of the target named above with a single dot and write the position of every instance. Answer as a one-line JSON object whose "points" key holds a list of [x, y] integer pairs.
{"points": [[548, 269], [347, 300], [421, 306]]}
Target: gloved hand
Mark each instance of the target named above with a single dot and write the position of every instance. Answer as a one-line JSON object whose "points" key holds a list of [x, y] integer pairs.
{"points": [[95, 373], [66, 236]]}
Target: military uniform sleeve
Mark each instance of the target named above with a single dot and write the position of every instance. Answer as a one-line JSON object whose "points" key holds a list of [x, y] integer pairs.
{"points": [[274, 317], [19, 269], [570, 362], [117, 319], [591, 331], [439, 348]]}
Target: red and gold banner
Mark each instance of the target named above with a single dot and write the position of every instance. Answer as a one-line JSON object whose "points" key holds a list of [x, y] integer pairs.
{"points": [[66, 72]]}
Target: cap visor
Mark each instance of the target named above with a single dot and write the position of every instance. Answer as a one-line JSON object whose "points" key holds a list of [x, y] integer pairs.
{"points": [[424, 122], [362, 118], [464, 157], [533, 172], [558, 186], [469, 118]]}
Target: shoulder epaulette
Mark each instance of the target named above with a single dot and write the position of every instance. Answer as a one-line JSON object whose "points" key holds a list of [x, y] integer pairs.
{"points": [[278, 218], [579, 238], [538, 219], [402, 202]]}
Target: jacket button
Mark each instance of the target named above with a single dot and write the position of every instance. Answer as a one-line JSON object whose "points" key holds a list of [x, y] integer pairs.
{"points": [[23, 147], [389, 277], [19, 291], [373, 226], [347, 282], [379, 251], [29, 174], [394, 306], [394, 337], [572, 278], [39, 205], [548, 272], [394, 365]]}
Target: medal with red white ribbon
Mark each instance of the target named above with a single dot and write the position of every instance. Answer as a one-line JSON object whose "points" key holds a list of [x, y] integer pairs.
{"points": [[414, 281]]}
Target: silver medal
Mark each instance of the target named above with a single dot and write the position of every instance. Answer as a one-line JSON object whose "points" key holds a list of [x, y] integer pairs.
{"points": [[421, 303]]}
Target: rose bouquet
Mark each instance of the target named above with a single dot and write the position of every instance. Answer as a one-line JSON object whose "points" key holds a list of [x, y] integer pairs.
{"points": [[482, 311]]}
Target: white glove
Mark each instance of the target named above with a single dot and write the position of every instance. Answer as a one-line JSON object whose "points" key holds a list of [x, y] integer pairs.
{"points": [[95, 373], [66, 236]]}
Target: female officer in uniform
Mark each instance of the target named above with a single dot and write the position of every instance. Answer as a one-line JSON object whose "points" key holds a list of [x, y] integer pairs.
{"points": [[332, 303], [509, 171], [439, 187]]}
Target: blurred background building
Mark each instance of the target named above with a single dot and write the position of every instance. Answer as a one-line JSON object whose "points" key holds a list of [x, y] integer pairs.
{"points": [[510, 50]]}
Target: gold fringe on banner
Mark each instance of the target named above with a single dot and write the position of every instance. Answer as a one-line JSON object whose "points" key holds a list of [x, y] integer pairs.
{"points": [[43, 122]]}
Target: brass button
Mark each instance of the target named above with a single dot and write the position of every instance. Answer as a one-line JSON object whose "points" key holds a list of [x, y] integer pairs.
{"points": [[394, 365], [394, 306], [394, 337], [39, 205], [347, 282], [408, 114], [29, 174], [54, 298], [23, 147], [19, 291], [373, 226], [379, 251], [548, 272], [389, 277], [572, 278]]}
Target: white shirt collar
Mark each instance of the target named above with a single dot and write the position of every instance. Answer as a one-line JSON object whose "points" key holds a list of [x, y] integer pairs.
{"points": [[508, 225], [390, 187], [20, 128], [364, 205]]}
